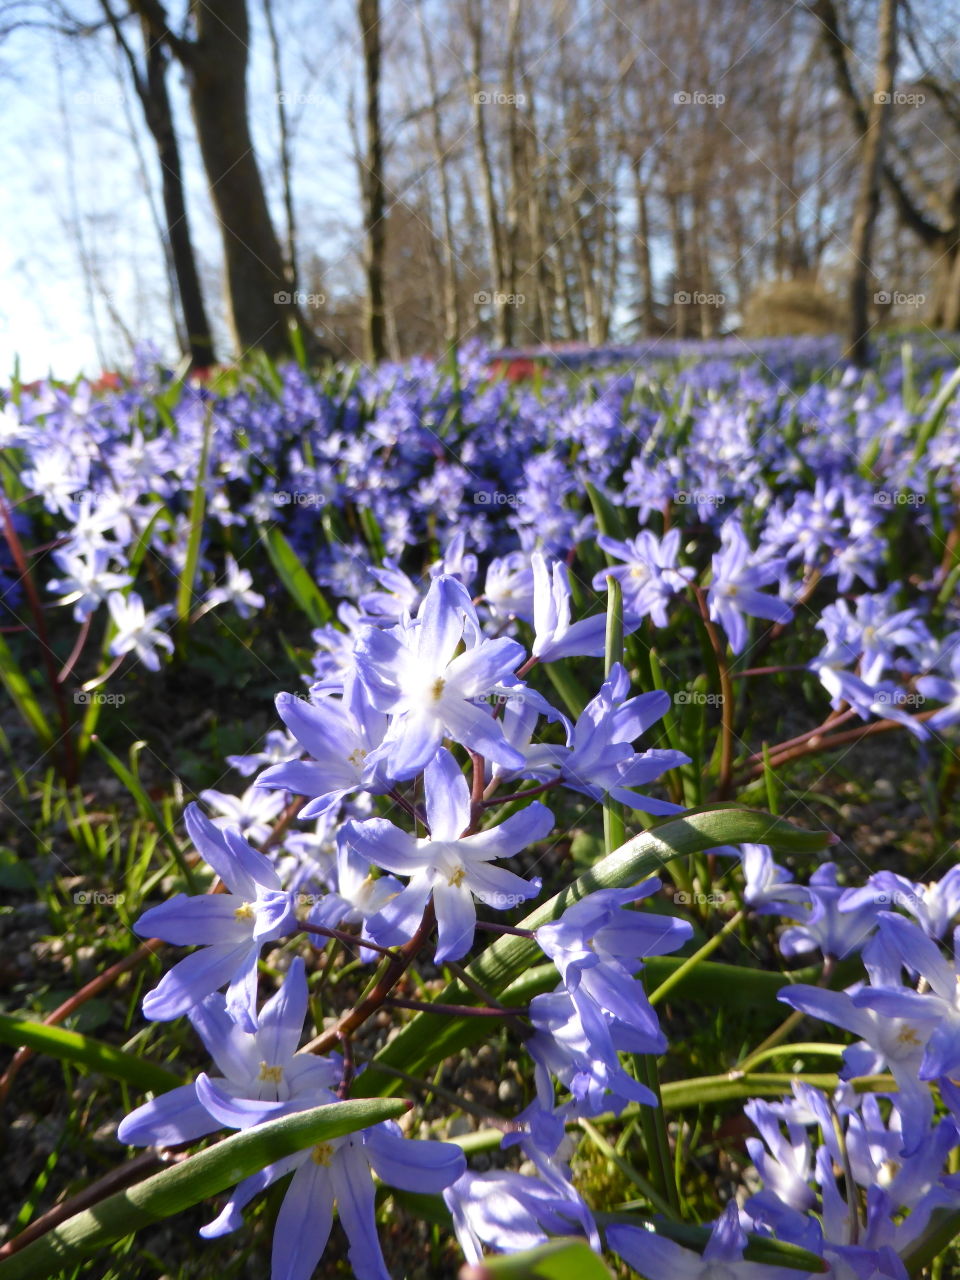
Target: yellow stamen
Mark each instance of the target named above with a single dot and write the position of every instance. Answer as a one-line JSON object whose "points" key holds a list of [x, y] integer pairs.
{"points": [[244, 911], [322, 1154], [273, 1074]]}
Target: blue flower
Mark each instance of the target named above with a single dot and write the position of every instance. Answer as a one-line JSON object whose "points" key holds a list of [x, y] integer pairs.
{"points": [[939, 1002], [649, 577], [512, 1211], [734, 591], [453, 867], [935, 906], [768, 887], [343, 738], [337, 1172], [230, 928], [555, 635], [885, 1044], [261, 1068], [414, 673], [598, 945], [601, 760], [828, 926]]}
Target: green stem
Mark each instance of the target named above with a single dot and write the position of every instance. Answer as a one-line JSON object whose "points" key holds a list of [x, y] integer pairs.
{"points": [[691, 962], [614, 830]]}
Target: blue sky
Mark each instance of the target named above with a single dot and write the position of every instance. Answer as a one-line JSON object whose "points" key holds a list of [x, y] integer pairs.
{"points": [[66, 150]]}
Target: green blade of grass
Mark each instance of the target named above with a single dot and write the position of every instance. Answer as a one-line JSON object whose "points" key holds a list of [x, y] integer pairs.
{"points": [[295, 577], [198, 506], [85, 1051], [18, 687]]}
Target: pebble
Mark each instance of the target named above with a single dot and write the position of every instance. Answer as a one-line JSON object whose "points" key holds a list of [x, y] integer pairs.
{"points": [[508, 1090]]}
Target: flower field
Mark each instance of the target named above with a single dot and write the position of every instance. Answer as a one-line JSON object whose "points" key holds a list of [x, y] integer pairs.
{"points": [[500, 815]]}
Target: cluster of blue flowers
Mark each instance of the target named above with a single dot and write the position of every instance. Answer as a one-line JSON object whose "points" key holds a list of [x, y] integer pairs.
{"points": [[389, 723], [744, 506], [775, 494], [414, 690]]}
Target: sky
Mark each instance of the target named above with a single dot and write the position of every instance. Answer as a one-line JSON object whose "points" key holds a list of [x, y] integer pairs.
{"points": [[74, 184]]}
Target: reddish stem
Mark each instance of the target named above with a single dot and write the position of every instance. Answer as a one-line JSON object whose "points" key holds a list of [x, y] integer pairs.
{"points": [[48, 655], [394, 971], [522, 795], [115, 1180], [92, 988]]}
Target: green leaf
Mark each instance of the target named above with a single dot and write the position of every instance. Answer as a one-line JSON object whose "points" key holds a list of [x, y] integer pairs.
{"points": [[198, 505], [558, 1260], [759, 1248], [427, 1038], [609, 518], [942, 1229], [295, 577], [18, 687], [938, 411], [14, 874], [84, 1051], [197, 1178], [568, 686]]}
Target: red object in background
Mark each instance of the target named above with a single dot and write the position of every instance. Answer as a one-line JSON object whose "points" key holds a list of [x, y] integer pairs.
{"points": [[108, 381], [514, 370]]}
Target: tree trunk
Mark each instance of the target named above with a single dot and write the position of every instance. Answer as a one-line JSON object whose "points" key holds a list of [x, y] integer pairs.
{"points": [[491, 216], [262, 309], [871, 175], [372, 184], [151, 88], [451, 297], [644, 266], [681, 306], [286, 160], [159, 117]]}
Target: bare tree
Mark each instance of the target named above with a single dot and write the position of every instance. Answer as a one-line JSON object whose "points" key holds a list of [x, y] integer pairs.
{"points": [[262, 309], [372, 184], [150, 84], [868, 198]]}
